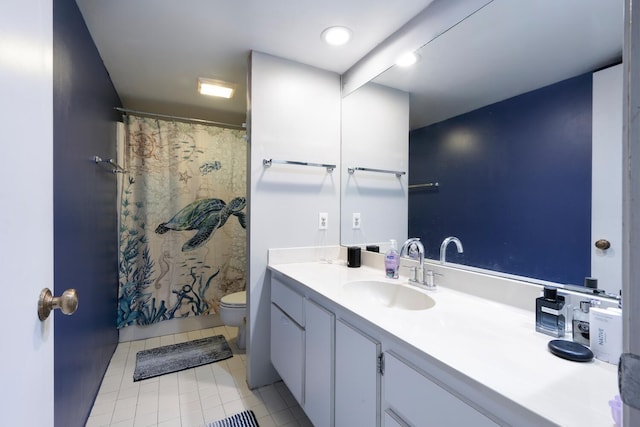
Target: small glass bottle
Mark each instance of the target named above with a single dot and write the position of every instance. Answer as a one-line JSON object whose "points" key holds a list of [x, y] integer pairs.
{"points": [[581, 323], [549, 317]]}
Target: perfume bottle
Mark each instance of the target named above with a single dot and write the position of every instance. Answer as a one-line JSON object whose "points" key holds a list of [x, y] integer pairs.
{"points": [[581, 323], [549, 317]]}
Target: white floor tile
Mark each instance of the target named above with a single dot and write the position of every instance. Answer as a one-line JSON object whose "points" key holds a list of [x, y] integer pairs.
{"points": [[103, 420], [267, 421], [124, 423], [192, 419], [283, 417], [234, 407], [146, 420], [175, 422], [103, 408], [214, 413]]}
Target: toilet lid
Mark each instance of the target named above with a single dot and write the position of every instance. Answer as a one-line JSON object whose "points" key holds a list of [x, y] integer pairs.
{"points": [[234, 299]]}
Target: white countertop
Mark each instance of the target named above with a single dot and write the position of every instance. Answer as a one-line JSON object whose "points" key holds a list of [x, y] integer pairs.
{"points": [[492, 343]]}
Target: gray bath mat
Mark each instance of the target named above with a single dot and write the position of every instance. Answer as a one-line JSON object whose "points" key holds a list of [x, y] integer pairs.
{"points": [[177, 357], [242, 419]]}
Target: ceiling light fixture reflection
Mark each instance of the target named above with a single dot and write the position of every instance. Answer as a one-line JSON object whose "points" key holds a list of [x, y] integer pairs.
{"points": [[216, 87], [336, 36], [407, 59]]}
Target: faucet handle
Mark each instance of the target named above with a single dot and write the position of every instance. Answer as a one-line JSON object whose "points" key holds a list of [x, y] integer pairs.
{"points": [[414, 270], [429, 279]]}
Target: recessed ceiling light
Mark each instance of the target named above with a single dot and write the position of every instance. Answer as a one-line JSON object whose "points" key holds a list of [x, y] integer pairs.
{"points": [[407, 59], [215, 87], [336, 36]]}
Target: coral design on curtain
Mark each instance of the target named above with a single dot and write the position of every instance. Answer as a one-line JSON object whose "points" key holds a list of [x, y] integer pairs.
{"points": [[182, 219]]}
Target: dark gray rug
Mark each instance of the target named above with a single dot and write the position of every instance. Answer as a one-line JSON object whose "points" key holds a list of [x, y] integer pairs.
{"points": [[242, 419], [177, 357]]}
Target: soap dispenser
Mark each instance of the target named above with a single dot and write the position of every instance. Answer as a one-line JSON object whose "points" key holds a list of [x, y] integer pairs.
{"points": [[392, 261]]}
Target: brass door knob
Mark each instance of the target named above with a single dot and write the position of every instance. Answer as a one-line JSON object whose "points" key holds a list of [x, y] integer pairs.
{"points": [[67, 302], [603, 244]]}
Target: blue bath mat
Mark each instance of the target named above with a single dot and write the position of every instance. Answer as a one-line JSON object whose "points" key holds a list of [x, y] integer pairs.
{"points": [[177, 357], [243, 419]]}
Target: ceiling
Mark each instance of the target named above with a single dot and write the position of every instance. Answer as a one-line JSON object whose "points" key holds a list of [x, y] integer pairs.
{"points": [[155, 50]]}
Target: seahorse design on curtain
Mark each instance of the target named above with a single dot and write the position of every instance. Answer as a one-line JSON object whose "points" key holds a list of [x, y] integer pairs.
{"points": [[182, 220]]}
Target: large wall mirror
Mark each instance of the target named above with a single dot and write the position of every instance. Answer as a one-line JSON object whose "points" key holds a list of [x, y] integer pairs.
{"points": [[501, 124]]}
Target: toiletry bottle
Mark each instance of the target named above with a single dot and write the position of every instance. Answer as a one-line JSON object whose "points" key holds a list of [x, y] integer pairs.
{"points": [[549, 317], [581, 323], [391, 261]]}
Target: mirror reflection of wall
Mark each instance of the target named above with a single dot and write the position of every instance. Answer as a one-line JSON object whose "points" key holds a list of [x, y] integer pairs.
{"points": [[501, 117], [375, 135], [515, 184]]}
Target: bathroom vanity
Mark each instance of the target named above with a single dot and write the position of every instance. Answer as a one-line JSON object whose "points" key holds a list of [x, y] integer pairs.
{"points": [[355, 348]]}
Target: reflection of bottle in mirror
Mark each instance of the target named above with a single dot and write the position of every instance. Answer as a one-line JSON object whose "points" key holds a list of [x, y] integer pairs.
{"points": [[391, 261], [581, 323], [549, 317]]}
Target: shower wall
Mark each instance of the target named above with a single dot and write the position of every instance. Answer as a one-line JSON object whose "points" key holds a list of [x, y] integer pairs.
{"points": [[84, 215]]}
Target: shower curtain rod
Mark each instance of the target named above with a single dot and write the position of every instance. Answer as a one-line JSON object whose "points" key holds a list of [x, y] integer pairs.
{"points": [[182, 119]]}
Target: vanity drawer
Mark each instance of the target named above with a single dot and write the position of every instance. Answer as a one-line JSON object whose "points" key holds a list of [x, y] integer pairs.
{"points": [[288, 300]]}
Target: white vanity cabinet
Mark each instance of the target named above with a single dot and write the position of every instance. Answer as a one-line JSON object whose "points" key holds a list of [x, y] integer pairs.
{"points": [[357, 378], [411, 396]]}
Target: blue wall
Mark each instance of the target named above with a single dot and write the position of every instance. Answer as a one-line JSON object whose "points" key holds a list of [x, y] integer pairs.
{"points": [[85, 248], [515, 184]]}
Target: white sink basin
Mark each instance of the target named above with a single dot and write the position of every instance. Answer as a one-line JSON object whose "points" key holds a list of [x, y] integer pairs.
{"points": [[392, 295]]}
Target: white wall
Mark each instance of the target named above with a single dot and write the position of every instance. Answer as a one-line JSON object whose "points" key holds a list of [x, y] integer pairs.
{"points": [[294, 114], [375, 134]]}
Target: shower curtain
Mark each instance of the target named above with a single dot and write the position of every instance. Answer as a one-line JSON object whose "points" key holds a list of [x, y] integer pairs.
{"points": [[182, 226]]}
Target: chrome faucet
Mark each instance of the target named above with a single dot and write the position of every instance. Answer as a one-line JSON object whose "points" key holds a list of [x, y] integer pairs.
{"points": [[445, 243], [414, 249]]}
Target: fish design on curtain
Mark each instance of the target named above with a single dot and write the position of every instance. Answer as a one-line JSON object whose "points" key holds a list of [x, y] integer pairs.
{"points": [[182, 230]]}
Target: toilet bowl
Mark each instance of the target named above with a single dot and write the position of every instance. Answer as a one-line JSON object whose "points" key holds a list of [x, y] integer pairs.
{"points": [[233, 312]]}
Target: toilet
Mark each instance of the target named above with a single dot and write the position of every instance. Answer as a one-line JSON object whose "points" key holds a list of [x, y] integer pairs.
{"points": [[233, 312]]}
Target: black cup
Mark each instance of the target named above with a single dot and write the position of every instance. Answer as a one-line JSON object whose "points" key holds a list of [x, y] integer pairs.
{"points": [[354, 256]]}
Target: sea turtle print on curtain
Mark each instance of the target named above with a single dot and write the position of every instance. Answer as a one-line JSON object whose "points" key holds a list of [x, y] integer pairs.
{"points": [[182, 219]]}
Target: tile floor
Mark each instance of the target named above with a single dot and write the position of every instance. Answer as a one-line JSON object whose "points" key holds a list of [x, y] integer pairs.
{"points": [[189, 398]]}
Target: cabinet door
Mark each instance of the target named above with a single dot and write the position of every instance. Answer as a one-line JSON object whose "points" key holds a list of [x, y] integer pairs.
{"points": [[287, 351], [357, 379], [318, 384], [421, 402]]}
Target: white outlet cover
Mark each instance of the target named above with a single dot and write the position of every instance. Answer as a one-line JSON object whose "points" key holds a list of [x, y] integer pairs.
{"points": [[355, 223], [323, 220]]}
